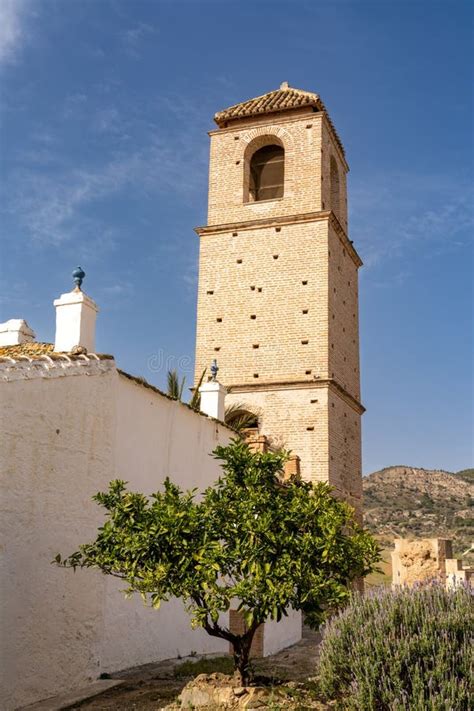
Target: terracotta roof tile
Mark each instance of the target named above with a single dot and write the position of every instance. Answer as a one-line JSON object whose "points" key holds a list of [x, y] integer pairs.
{"points": [[279, 100], [37, 350], [283, 99], [32, 350]]}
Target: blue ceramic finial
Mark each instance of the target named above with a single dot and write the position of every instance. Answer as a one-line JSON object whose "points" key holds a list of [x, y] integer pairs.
{"points": [[214, 369], [78, 275]]}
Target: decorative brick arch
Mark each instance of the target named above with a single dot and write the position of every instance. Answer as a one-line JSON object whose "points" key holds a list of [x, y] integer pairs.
{"points": [[263, 132], [260, 137]]}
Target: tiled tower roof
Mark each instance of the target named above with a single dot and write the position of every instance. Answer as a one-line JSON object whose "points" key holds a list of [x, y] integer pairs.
{"points": [[283, 99], [279, 100]]}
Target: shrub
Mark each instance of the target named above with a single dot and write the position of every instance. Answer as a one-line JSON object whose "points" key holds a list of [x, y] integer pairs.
{"points": [[269, 544], [403, 649]]}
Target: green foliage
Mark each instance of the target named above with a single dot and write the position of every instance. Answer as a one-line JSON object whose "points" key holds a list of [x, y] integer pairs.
{"points": [[466, 474], [404, 649], [175, 388], [209, 665], [195, 401], [239, 418], [427, 502], [236, 414], [271, 545]]}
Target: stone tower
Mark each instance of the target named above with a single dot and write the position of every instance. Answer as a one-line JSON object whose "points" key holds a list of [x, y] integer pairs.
{"points": [[278, 282]]}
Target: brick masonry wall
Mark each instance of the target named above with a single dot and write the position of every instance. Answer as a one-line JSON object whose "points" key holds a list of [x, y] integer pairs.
{"points": [[263, 303], [294, 419], [237, 626], [329, 148], [318, 425], [345, 456], [231, 150], [343, 316], [278, 296]]}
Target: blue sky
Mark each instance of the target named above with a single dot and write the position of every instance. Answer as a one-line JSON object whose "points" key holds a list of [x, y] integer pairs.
{"points": [[104, 152]]}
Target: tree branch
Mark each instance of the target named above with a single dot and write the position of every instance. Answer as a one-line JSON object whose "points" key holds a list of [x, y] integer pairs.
{"points": [[213, 628]]}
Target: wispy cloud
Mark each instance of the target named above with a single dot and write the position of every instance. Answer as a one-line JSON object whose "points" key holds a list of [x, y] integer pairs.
{"points": [[60, 190], [134, 37], [12, 28], [74, 105], [108, 120], [83, 109], [117, 289], [189, 276], [393, 216], [114, 295], [56, 207]]}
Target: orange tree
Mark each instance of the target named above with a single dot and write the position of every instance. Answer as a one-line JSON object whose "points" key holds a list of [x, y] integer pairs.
{"points": [[270, 544]]}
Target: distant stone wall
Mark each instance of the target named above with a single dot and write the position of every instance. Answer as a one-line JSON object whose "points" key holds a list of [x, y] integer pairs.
{"points": [[415, 561]]}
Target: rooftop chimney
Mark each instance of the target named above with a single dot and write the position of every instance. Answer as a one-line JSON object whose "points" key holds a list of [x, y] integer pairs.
{"points": [[15, 331], [75, 318], [213, 396]]}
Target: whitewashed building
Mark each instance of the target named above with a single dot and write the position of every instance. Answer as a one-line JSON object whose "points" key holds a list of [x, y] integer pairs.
{"points": [[71, 421]]}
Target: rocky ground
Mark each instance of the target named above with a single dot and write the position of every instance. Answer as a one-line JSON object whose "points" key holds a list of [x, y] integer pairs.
{"points": [[154, 686]]}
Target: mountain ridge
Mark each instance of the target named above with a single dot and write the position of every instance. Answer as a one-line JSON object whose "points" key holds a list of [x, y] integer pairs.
{"points": [[404, 501]]}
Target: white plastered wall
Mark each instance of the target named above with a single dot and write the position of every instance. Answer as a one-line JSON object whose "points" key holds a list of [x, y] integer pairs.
{"points": [[64, 434], [57, 442], [173, 441], [279, 635], [62, 439]]}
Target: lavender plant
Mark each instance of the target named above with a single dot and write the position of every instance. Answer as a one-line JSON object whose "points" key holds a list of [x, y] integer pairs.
{"points": [[406, 649]]}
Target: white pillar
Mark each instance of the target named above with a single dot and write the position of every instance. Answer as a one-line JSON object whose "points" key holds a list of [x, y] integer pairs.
{"points": [[213, 399], [75, 321], [15, 331]]}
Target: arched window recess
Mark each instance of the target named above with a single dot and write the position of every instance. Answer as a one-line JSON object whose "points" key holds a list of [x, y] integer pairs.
{"points": [[335, 186], [267, 173], [240, 418]]}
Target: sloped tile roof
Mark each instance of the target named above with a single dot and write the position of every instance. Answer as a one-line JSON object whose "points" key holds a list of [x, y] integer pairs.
{"points": [[279, 100], [283, 99], [32, 350], [37, 350]]}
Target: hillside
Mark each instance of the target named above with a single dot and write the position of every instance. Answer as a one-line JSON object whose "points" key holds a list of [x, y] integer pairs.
{"points": [[405, 501], [466, 474]]}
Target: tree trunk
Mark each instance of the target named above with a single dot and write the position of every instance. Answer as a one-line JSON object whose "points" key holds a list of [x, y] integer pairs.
{"points": [[240, 643], [241, 652], [241, 661]]}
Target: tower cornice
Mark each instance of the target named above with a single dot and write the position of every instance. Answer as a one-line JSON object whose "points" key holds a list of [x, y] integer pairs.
{"points": [[330, 383], [270, 120], [322, 215]]}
